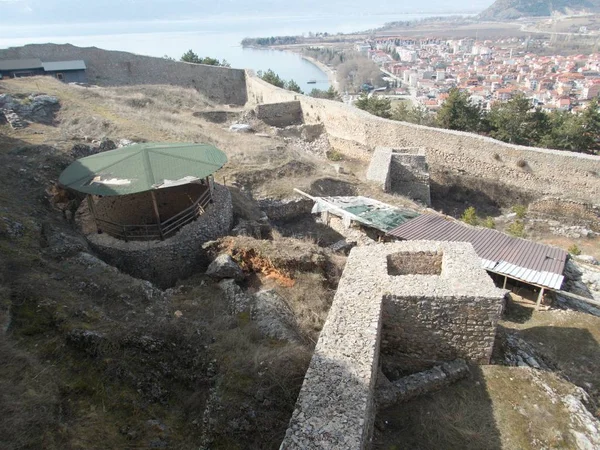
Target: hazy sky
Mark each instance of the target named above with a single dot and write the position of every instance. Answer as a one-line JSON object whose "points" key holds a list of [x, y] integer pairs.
{"points": [[34, 12]]}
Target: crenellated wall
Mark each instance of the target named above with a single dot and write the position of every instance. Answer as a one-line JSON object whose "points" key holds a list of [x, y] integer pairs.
{"points": [[539, 172]]}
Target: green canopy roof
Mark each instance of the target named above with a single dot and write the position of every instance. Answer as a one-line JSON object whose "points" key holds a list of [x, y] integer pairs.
{"points": [[142, 167]]}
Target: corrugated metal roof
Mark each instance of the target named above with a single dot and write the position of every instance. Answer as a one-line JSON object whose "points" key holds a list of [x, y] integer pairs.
{"points": [[142, 167], [57, 66], [21, 64], [524, 260]]}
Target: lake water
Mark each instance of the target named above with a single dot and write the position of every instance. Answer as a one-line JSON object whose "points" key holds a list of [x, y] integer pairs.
{"points": [[217, 36]]}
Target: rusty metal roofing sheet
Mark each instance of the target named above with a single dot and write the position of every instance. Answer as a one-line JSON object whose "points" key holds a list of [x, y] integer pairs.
{"points": [[524, 260]]}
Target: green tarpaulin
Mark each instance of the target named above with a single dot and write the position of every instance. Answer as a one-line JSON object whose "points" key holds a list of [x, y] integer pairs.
{"points": [[142, 167], [367, 211]]}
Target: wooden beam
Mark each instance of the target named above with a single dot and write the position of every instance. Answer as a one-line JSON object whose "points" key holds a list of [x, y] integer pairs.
{"points": [[90, 202], [539, 299], [162, 238], [505, 280], [576, 297]]}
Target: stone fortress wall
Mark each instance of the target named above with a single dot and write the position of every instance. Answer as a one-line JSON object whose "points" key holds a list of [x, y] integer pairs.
{"points": [[419, 283], [450, 154], [540, 172], [111, 68], [164, 262]]}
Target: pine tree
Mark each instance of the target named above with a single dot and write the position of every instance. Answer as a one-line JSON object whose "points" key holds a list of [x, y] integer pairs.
{"points": [[190, 57], [458, 113], [293, 86]]}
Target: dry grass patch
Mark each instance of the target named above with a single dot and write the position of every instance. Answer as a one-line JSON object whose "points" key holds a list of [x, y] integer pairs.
{"points": [[571, 340], [29, 400], [496, 408]]}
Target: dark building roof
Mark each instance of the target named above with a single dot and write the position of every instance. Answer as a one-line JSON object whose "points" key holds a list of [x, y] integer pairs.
{"points": [[59, 66], [20, 64], [521, 259]]}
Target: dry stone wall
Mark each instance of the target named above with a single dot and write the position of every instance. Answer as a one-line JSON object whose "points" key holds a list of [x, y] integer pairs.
{"points": [[165, 262], [335, 407], [561, 174], [401, 171], [578, 213], [111, 68]]}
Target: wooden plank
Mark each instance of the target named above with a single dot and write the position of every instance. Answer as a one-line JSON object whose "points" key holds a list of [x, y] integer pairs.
{"points": [[576, 297], [157, 215], [539, 299]]}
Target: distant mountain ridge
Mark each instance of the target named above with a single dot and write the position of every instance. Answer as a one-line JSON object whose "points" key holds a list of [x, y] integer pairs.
{"points": [[515, 9]]}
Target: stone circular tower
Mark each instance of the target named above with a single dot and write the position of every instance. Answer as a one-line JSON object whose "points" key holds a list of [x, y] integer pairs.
{"points": [[150, 207]]}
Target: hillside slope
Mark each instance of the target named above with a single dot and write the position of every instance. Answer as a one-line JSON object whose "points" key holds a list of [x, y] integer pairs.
{"points": [[515, 9]]}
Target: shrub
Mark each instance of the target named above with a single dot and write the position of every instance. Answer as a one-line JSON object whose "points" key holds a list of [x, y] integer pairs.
{"points": [[521, 163], [497, 157], [516, 229], [520, 211], [470, 216], [334, 155], [489, 222], [574, 250]]}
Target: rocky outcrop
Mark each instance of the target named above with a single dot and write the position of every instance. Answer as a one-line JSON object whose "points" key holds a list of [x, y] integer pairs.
{"points": [[60, 242], [267, 310], [519, 353], [582, 280], [38, 108], [258, 229], [224, 266], [273, 317]]}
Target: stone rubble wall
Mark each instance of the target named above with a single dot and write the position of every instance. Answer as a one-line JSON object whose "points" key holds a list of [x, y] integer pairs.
{"points": [[336, 405], [411, 386], [287, 209], [379, 167], [421, 330], [409, 176], [280, 114], [565, 175], [112, 68], [165, 262], [577, 212], [401, 171]]}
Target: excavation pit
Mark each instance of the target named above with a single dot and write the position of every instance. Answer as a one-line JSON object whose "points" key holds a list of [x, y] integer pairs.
{"points": [[420, 263]]}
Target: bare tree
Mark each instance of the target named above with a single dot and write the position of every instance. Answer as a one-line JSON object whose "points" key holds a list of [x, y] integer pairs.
{"points": [[356, 71]]}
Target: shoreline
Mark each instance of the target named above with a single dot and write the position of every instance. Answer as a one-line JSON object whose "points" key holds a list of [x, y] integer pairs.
{"points": [[331, 74], [328, 71]]}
